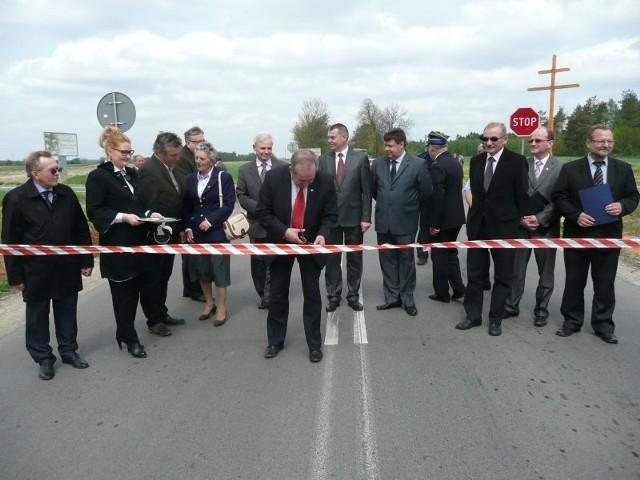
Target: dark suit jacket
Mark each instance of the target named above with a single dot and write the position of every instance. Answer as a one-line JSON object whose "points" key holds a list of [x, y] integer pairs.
{"points": [[354, 194], [158, 194], [248, 191], [502, 207], [27, 218], [398, 203], [575, 176], [447, 208], [108, 195], [274, 207], [197, 208], [186, 165], [539, 192]]}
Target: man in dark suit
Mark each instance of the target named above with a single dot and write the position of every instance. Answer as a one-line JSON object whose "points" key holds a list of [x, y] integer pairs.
{"points": [[160, 191], [595, 169], [296, 203], [186, 165], [250, 178], [540, 220], [446, 217], [43, 212], [352, 178], [401, 184], [498, 179]]}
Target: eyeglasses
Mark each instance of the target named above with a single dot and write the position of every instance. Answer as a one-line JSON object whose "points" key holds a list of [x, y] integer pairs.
{"points": [[53, 170], [124, 152], [493, 139], [538, 140], [602, 142]]}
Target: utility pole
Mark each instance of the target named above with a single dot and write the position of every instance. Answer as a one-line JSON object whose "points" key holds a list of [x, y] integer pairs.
{"points": [[553, 87]]}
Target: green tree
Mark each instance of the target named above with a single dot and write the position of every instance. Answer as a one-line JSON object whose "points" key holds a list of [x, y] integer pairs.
{"points": [[310, 130], [374, 122]]}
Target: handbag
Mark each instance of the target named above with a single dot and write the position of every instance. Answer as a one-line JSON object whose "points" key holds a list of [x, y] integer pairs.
{"points": [[234, 227]]}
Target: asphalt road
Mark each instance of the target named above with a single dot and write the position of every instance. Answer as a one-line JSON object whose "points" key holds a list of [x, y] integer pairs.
{"points": [[396, 397]]}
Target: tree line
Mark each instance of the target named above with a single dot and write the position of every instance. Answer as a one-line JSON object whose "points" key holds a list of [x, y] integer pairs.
{"points": [[310, 129]]}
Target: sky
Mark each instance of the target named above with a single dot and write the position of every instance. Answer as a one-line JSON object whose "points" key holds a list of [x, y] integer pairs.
{"points": [[239, 68]]}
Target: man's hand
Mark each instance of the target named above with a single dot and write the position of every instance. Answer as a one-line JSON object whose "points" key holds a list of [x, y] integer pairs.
{"points": [[585, 221], [434, 231], [86, 272], [132, 219], [292, 235], [614, 209], [319, 240], [364, 226]]}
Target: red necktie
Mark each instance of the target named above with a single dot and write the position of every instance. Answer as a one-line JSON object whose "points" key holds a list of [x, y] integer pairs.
{"points": [[340, 171], [297, 216]]}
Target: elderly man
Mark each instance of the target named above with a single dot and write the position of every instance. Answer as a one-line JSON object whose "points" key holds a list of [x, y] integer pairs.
{"points": [[541, 220], [446, 218], [401, 184], [297, 205], [498, 179], [250, 178], [352, 179], [43, 212], [597, 168], [161, 191]]}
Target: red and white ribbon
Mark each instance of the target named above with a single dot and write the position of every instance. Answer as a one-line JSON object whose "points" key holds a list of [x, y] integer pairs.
{"points": [[293, 249]]}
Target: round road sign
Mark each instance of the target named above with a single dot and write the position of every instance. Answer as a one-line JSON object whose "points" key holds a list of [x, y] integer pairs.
{"points": [[116, 109]]}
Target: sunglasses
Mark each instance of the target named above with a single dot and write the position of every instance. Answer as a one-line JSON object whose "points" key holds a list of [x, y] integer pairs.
{"points": [[493, 139], [537, 140], [124, 152], [54, 170]]}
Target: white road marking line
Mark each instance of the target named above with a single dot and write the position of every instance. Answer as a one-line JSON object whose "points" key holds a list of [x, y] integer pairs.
{"points": [[331, 330], [359, 329], [323, 421], [368, 444]]}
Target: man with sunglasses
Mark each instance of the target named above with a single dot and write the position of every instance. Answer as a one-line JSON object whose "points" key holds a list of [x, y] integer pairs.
{"points": [[597, 168], [43, 212], [498, 179], [540, 220]]}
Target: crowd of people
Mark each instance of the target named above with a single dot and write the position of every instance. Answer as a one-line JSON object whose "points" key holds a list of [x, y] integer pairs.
{"points": [[183, 194]]}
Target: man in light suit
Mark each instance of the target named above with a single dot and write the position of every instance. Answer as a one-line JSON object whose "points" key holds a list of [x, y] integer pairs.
{"points": [[498, 179], [401, 184], [296, 203], [594, 169], [160, 191], [352, 178], [250, 178], [446, 218], [541, 220]]}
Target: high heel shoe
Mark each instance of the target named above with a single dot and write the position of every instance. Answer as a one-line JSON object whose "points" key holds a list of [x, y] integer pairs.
{"points": [[135, 349], [206, 316], [219, 323]]}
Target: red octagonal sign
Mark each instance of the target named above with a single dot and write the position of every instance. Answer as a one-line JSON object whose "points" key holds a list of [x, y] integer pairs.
{"points": [[524, 121]]}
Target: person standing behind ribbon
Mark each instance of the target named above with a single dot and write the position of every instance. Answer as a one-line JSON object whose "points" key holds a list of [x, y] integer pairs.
{"points": [[498, 179], [43, 212], [204, 220], [575, 176], [116, 212]]}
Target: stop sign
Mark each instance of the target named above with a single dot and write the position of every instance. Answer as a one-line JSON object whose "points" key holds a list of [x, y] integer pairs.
{"points": [[524, 121]]}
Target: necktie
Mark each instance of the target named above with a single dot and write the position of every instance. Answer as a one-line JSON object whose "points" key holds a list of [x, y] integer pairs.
{"points": [[488, 173], [47, 194], [538, 169], [340, 170], [598, 179], [263, 171], [173, 179], [392, 174], [297, 216]]}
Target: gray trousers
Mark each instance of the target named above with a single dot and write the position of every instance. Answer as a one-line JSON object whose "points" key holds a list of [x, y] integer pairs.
{"points": [[398, 269], [546, 261]]}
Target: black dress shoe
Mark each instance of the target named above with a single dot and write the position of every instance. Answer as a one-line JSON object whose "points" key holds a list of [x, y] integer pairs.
{"points": [[466, 324], [315, 355], [160, 329], [422, 261], [510, 313], [136, 350], [355, 305], [565, 332], [332, 306], [412, 310], [495, 330], [169, 320], [76, 360], [263, 305], [438, 298], [46, 371], [388, 306], [539, 322], [457, 296], [608, 337], [272, 351], [486, 286]]}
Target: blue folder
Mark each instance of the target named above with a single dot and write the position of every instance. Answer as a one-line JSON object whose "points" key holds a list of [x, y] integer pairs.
{"points": [[594, 200]]}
